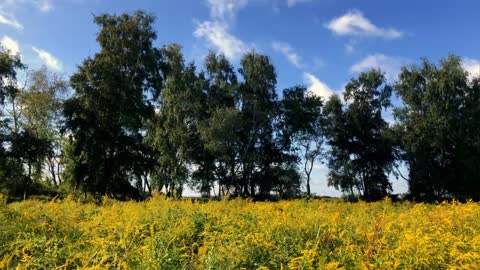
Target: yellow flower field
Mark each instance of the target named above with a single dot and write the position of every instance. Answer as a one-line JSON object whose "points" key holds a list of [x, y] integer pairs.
{"points": [[238, 234]]}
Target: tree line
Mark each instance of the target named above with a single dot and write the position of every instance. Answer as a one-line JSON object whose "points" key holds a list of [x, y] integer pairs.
{"points": [[135, 118]]}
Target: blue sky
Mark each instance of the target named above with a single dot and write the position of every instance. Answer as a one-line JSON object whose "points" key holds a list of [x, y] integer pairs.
{"points": [[318, 43]]}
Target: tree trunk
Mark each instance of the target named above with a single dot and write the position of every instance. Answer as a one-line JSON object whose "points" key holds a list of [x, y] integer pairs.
{"points": [[308, 170], [51, 168], [58, 172], [147, 184]]}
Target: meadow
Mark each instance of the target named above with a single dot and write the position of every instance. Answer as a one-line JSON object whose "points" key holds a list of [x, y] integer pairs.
{"points": [[162, 233]]}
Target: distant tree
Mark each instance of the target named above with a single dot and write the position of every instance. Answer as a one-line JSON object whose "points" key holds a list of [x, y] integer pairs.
{"points": [[107, 113], [286, 180], [302, 126], [221, 137], [259, 108], [40, 105], [174, 130], [220, 130], [438, 128], [361, 155], [9, 67]]}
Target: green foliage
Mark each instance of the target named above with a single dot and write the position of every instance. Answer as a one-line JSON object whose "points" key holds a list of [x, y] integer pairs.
{"points": [[302, 126], [40, 116], [438, 129], [259, 150], [173, 131], [107, 114], [361, 155], [140, 118]]}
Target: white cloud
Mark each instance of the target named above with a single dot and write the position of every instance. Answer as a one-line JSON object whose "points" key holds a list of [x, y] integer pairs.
{"points": [[216, 31], [10, 44], [10, 21], [225, 9], [472, 66], [388, 64], [291, 3], [316, 86], [48, 58], [44, 6], [217, 35], [8, 6], [354, 24], [288, 52]]}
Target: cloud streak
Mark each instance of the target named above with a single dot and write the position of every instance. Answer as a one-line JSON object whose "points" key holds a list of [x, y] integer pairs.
{"points": [[316, 86], [225, 9], [291, 3], [10, 21], [216, 31], [389, 64], [217, 35], [48, 58], [288, 52], [353, 23], [7, 7]]}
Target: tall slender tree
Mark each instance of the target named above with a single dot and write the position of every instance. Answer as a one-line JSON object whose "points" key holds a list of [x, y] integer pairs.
{"points": [[12, 179], [361, 155], [107, 114], [258, 108], [174, 130], [40, 103], [221, 129], [303, 127]]}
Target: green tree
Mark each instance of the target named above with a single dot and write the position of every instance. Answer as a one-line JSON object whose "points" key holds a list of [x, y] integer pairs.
{"points": [[259, 108], [173, 132], [12, 179], [220, 134], [40, 106], [107, 114], [302, 126], [221, 128], [438, 129], [361, 154]]}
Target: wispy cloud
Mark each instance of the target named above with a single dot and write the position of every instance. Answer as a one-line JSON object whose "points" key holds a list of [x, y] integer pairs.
{"points": [[389, 64], [48, 58], [44, 6], [288, 52], [472, 66], [225, 9], [7, 8], [353, 23], [216, 31], [10, 44], [217, 35], [316, 86], [10, 21], [291, 3]]}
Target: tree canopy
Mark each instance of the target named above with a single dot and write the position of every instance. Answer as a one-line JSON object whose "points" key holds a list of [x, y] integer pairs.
{"points": [[136, 117]]}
